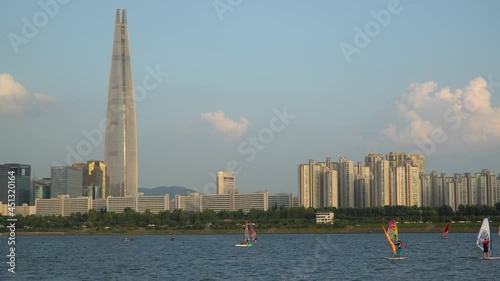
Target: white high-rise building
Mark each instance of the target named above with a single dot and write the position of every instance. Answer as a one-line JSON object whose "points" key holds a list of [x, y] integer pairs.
{"points": [[332, 189], [413, 185], [472, 190], [461, 197], [400, 185], [346, 182], [318, 184], [450, 198], [226, 182], [426, 187]]}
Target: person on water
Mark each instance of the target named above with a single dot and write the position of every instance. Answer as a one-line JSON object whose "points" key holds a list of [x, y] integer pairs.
{"points": [[255, 240], [400, 247], [486, 247], [248, 240]]}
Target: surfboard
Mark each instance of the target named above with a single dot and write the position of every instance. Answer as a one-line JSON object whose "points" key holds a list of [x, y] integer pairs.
{"points": [[243, 245], [395, 258], [490, 258]]}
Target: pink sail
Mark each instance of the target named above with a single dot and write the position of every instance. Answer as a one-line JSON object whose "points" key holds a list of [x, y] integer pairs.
{"points": [[253, 234], [392, 230]]}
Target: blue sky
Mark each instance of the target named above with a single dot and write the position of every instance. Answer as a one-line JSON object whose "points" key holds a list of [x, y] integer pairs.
{"points": [[258, 56]]}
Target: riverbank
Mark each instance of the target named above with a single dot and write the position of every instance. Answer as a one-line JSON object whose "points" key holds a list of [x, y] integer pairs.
{"points": [[356, 229]]}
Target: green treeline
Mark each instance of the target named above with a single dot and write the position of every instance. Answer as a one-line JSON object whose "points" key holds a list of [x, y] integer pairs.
{"points": [[274, 217]]}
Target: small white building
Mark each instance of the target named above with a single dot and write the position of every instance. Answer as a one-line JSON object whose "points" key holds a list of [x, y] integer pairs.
{"points": [[324, 217]]}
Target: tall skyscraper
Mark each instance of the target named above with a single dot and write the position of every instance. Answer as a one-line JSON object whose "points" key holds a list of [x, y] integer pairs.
{"points": [[346, 183], [120, 150], [315, 184], [66, 180], [22, 183]]}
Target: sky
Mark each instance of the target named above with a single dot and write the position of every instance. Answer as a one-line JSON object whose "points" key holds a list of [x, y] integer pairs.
{"points": [[257, 87]]}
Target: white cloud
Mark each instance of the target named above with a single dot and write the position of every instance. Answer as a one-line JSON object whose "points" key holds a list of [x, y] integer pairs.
{"points": [[466, 115], [12, 94], [230, 129], [14, 97]]}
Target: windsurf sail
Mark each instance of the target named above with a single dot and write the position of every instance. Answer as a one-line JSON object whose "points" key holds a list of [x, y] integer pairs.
{"points": [[246, 242], [392, 230], [484, 232], [388, 235], [445, 231], [253, 234], [247, 233]]}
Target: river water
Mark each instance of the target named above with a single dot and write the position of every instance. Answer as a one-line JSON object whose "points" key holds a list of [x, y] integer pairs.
{"points": [[275, 257]]}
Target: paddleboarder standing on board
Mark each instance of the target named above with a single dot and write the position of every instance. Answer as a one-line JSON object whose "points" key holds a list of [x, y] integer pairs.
{"points": [[486, 248], [400, 247]]}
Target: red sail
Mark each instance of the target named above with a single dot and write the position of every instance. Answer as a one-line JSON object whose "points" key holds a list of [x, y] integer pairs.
{"points": [[445, 231]]}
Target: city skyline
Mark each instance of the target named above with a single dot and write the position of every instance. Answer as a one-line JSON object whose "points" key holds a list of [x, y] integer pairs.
{"points": [[396, 179], [216, 91]]}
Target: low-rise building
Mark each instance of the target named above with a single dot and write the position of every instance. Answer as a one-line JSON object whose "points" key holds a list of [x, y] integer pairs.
{"points": [[324, 217], [63, 205]]}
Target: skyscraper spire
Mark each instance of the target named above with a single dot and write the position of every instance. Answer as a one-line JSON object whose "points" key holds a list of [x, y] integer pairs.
{"points": [[118, 18], [121, 134], [124, 16]]}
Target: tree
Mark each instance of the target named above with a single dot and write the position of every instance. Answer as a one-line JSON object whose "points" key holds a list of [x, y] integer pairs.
{"points": [[92, 216]]}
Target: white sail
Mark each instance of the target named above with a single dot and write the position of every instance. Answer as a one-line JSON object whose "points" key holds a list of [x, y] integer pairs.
{"points": [[484, 232]]}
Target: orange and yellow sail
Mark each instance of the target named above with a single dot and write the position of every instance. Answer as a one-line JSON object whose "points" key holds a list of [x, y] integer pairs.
{"points": [[391, 234]]}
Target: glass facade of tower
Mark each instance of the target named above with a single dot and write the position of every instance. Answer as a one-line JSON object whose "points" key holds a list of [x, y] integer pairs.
{"points": [[120, 150], [22, 175], [41, 189], [66, 180]]}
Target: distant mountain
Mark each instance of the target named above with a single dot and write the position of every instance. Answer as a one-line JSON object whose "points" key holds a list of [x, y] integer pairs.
{"points": [[162, 190]]}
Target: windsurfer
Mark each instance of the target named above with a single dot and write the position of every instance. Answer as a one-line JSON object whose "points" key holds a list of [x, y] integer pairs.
{"points": [[248, 240], [255, 240], [400, 247], [486, 248]]}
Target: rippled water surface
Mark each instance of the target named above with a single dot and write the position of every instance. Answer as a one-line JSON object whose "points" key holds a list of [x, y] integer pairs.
{"points": [[275, 257]]}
